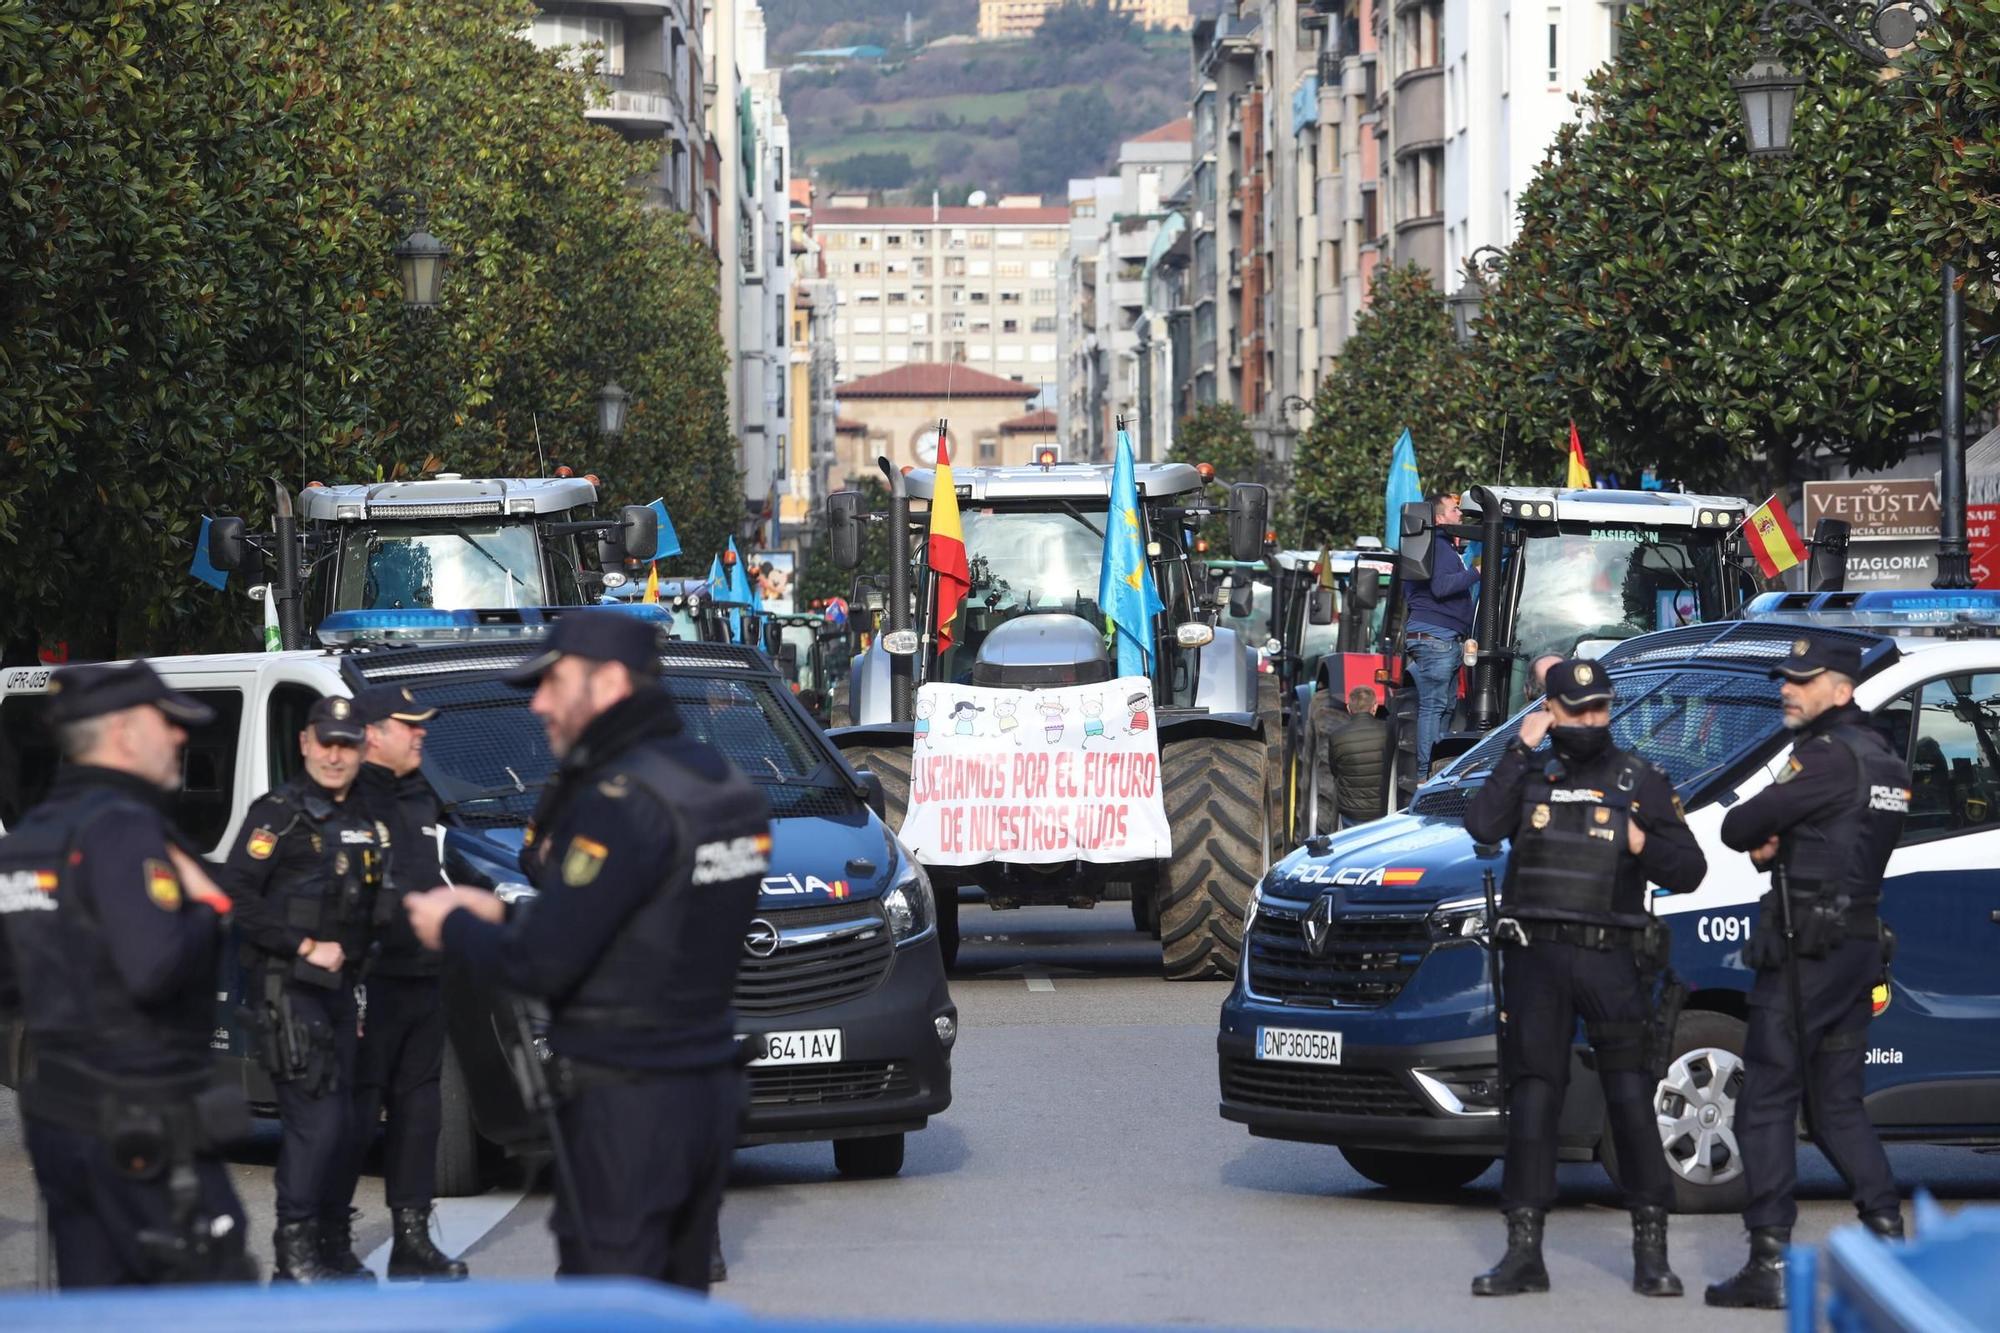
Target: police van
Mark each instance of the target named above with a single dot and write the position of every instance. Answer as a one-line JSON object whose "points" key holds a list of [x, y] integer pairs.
{"points": [[841, 984], [1362, 1017]]}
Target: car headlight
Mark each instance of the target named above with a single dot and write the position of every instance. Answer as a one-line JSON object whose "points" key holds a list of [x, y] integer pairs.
{"points": [[1455, 921], [912, 914]]}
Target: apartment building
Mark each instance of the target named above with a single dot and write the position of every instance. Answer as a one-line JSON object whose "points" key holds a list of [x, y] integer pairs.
{"points": [[974, 286], [1003, 19], [811, 459]]}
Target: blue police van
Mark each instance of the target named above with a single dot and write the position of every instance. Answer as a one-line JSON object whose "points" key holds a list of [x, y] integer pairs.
{"points": [[1362, 1016]]}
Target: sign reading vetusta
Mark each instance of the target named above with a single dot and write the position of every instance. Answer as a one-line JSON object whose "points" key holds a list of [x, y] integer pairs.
{"points": [[1875, 511]]}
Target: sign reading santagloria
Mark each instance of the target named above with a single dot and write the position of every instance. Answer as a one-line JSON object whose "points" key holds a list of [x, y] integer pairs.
{"points": [[1876, 511]]}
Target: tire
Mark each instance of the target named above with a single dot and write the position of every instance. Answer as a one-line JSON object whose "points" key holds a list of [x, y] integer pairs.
{"points": [[1416, 1172], [1214, 793], [875, 1158], [1145, 910], [1706, 1068], [461, 1163], [945, 893]]}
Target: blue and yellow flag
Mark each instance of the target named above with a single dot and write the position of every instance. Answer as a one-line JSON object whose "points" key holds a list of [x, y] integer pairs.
{"points": [[1404, 487], [719, 590], [739, 591], [1125, 587]]}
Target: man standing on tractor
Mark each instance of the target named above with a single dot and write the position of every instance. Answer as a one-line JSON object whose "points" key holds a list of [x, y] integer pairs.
{"points": [[1439, 622]]}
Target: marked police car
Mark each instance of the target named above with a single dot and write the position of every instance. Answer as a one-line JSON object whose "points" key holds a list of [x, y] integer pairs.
{"points": [[841, 984], [1361, 1014]]}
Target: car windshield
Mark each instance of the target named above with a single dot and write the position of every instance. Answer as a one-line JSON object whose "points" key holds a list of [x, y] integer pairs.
{"points": [[1696, 725], [450, 564], [1584, 589], [1035, 560]]}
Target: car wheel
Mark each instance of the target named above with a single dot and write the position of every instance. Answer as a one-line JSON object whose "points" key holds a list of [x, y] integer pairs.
{"points": [[873, 1158], [945, 894], [461, 1167], [1695, 1106], [1416, 1172]]}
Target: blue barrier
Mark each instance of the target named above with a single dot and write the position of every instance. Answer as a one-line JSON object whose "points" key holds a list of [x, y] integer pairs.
{"points": [[1944, 1280]]}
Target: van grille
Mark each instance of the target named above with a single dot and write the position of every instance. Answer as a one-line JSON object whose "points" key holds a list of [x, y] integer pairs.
{"points": [[1366, 962]]}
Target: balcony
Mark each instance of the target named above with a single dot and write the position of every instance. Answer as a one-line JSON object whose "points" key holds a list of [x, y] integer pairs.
{"points": [[1419, 110], [638, 102], [1421, 241]]}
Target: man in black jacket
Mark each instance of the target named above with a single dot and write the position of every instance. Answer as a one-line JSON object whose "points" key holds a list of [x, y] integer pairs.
{"points": [[401, 1057], [647, 850], [1358, 760], [1590, 826]]}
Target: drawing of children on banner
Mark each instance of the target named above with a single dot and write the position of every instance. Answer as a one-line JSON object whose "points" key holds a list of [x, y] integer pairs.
{"points": [[964, 719], [1052, 710], [1136, 705], [923, 722], [1093, 720], [1003, 715]]}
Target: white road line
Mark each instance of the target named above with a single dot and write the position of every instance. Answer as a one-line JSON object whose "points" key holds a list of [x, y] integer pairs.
{"points": [[1037, 980], [461, 1224]]}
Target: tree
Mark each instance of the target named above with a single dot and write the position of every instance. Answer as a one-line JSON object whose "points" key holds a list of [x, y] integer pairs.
{"points": [[1693, 310], [1076, 24], [818, 575], [1400, 370], [1068, 137], [1218, 435], [1958, 147]]}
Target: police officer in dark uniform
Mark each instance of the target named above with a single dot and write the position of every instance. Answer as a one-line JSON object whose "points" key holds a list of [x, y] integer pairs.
{"points": [[1590, 825], [1824, 829], [647, 852], [111, 933], [303, 875], [401, 1057]]}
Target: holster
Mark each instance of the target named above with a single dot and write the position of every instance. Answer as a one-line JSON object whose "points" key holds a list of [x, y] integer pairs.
{"points": [[292, 1049], [148, 1123]]}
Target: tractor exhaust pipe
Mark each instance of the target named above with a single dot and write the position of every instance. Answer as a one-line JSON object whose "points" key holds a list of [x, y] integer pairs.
{"points": [[902, 690]]}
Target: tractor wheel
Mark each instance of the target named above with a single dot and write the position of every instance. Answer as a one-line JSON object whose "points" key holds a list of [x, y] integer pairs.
{"points": [[1214, 790], [891, 766]]}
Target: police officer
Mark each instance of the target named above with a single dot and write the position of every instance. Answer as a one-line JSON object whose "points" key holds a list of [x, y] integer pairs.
{"points": [[401, 1056], [1590, 825], [303, 876], [110, 926], [1825, 829], [647, 851]]}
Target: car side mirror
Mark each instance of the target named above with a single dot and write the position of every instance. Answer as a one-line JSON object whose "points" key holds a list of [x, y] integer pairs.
{"points": [[843, 528], [1249, 514], [1242, 600], [1418, 532], [871, 792], [1320, 611], [225, 543], [1826, 568]]}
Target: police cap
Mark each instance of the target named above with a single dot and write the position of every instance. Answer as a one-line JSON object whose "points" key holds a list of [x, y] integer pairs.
{"points": [[380, 703], [96, 688], [1812, 656], [336, 721], [600, 636], [1575, 683]]}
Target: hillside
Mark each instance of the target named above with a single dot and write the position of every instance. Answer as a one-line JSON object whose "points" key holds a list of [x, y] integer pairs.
{"points": [[992, 116], [811, 25]]}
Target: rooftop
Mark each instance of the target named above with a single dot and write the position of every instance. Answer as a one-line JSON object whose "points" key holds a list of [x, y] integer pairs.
{"points": [[1038, 422], [931, 380], [926, 216], [1180, 130]]}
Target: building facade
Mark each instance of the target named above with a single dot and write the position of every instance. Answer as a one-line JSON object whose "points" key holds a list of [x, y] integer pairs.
{"points": [[1003, 19], [811, 459], [895, 415]]}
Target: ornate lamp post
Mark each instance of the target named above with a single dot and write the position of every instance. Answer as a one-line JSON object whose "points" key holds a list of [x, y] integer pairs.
{"points": [[422, 258], [612, 401], [1465, 303]]}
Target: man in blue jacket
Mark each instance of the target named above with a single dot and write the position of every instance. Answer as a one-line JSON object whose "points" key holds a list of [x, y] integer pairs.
{"points": [[1437, 625]]}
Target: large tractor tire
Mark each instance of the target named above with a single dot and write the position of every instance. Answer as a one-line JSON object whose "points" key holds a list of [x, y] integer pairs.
{"points": [[1214, 790], [891, 766]]}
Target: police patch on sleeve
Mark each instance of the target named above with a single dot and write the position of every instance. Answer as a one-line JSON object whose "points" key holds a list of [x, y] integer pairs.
{"points": [[582, 861], [163, 886], [262, 843], [1792, 769], [733, 858]]}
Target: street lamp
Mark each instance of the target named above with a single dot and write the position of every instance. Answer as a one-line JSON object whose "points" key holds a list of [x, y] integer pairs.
{"points": [[611, 403], [1465, 303], [1769, 92], [422, 258]]}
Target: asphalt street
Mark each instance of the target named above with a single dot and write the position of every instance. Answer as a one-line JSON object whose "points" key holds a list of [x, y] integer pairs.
{"points": [[1083, 1175]]}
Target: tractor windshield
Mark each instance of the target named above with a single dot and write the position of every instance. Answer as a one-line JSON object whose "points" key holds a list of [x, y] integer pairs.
{"points": [[1026, 560], [1583, 589], [451, 564]]}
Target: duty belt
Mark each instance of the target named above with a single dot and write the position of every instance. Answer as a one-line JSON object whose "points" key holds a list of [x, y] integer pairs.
{"points": [[1584, 934], [76, 1097]]}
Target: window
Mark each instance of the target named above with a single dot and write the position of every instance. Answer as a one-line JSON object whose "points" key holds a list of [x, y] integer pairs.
{"points": [[1010, 326], [920, 351], [1954, 772], [899, 298], [207, 795], [920, 323], [1043, 268], [898, 355], [1555, 48], [920, 296], [1052, 239], [1083, 208], [868, 298], [1011, 268], [1043, 296], [1616, 13], [954, 268], [863, 241], [1008, 238], [981, 324], [920, 268], [867, 325], [979, 268], [1007, 352], [1010, 298], [954, 323], [1506, 53], [988, 451], [863, 355], [981, 240], [896, 324], [584, 34], [1041, 352], [977, 297], [954, 295], [284, 718], [1044, 324], [894, 240]]}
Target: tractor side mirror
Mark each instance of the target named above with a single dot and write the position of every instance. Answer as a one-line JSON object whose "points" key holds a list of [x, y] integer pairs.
{"points": [[774, 639], [1826, 568], [1242, 599], [1364, 590], [871, 792], [638, 532], [788, 660], [1414, 552], [1249, 514], [1320, 611], [843, 527], [225, 543]]}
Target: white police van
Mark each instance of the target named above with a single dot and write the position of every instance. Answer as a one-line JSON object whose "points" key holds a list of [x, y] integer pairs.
{"points": [[1372, 1030]]}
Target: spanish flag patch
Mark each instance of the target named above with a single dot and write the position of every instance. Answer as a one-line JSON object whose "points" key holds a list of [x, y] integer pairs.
{"points": [[163, 886], [262, 843], [582, 861]]}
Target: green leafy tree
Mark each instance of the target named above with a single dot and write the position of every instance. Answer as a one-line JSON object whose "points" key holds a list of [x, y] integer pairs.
{"points": [[1219, 435], [1957, 79], [818, 575]]}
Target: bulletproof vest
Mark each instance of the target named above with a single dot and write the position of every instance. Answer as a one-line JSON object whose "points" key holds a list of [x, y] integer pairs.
{"points": [[1845, 849], [334, 898], [71, 996], [674, 962], [1570, 859]]}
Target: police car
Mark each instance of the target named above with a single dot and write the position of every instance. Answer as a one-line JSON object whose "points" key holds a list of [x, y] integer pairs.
{"points": [[841, 985], [1361, 1015]]}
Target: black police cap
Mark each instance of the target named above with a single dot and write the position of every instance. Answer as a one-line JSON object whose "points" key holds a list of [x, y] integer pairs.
{"points": [[1813, 656], [601, 636], [336, 720], [380, 703], [96, 688], [1576, 683]]}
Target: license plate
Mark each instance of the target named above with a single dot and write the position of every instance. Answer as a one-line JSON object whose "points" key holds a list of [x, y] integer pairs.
{"points": [[1298, 1046], [820, 1046]]}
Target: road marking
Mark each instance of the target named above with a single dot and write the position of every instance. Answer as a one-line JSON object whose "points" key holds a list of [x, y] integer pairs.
{"points": [[460, 1224], [1037, 980]]}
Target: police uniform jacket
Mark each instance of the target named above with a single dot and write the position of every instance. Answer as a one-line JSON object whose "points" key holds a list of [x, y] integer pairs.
{"points": [[647, 851], [114, 957], [1566, 815], [305, 866], [408, 808]]}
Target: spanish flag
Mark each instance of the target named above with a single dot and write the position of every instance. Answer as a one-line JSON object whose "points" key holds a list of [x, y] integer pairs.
{"points": [[653, 583], [947, 546], [1579, 471], [1773, 539]]}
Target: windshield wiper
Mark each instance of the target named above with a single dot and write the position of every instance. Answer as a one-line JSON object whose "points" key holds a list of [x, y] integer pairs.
{"points": [[479, 795], [1077, 514], [458, 531]]}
